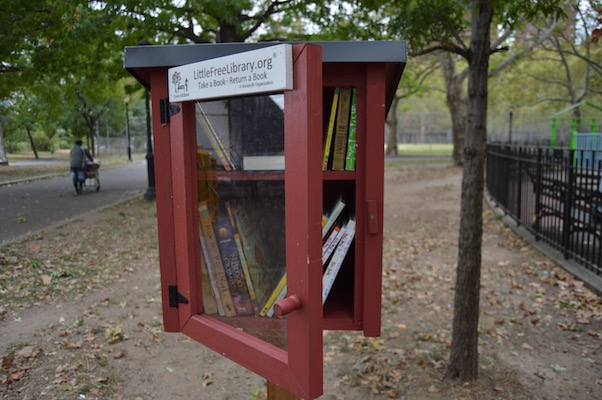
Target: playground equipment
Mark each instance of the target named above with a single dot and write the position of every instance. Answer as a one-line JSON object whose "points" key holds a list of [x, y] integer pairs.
{"points": [[577, 140]]}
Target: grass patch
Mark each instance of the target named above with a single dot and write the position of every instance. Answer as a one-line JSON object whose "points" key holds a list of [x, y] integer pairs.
{"points": [[424, 150]]}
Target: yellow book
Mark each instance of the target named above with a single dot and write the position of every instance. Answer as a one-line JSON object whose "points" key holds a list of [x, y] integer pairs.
{"points": [[341, 130], [243, 259], [329, 130], [274, 296]]}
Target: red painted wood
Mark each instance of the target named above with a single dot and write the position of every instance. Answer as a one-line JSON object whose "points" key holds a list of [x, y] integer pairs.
{"points": [[167, 263], [248, 351], [287, 305], [183, 167], [299, 370], [374, 192], [303, 196], [371, 217]]}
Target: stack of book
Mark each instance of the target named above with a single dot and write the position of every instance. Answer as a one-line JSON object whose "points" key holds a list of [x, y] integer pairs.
{"points": [[337, 236], [234, 283], [339, 148]]}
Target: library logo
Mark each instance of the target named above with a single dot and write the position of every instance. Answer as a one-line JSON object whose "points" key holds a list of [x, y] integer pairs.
{"points": [[179, 87]]}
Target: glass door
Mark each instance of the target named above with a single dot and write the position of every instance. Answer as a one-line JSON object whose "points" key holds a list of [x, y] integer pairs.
{"points": [[247, 208], [241, 205]]}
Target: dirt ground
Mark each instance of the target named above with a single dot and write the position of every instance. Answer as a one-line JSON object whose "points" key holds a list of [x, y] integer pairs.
{"points": [[80, 314]]}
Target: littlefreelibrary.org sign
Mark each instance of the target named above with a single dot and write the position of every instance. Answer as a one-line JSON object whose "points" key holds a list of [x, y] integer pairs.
{"points": [[264, 70]]}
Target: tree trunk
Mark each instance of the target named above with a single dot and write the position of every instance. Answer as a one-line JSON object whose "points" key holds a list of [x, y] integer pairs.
{"points": [[456, 103], [392, 123], [464, 357], [33, 145], [91, 141], [3, 158]]}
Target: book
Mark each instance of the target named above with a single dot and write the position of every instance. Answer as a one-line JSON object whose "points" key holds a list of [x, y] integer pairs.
{"points": [[331, 238], [207, 180], [263, 163], [265, 270], [351, 140], [341, 130], [232, 267], [280, 296], [242, 257], [333, 215], [214, 261], [208, 292], [327, 251], [329, 130], [337, 259], [222, 152], [273, 296]]}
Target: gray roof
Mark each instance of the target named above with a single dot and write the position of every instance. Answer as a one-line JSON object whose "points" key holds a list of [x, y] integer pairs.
{"points": [[341, 51], [138, 59]]}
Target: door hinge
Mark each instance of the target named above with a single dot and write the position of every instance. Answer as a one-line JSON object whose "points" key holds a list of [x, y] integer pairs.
{"points": [[176, 297], [167, 110]]}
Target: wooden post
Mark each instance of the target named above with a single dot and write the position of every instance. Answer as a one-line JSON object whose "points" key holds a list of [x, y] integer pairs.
{"points": [[277, 393]]}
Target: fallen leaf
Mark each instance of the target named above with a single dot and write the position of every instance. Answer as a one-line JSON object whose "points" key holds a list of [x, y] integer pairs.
{"points": [[207, 379], [527, 346], [46, 279], [114, 334], [499, 390], [558, 368], [433, 389]]}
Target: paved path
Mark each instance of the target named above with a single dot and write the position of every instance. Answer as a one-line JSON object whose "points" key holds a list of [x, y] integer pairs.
{"points": [[30, 207]]}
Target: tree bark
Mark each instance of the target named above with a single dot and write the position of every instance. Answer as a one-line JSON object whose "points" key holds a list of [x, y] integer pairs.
{"points": [[463, 363], [456, 103], [392, 122], [3, 158], [33, 145]]}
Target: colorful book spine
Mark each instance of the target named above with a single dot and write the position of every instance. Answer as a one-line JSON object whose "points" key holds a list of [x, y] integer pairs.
{"points": [[333, 245], [330, 130], [232, 267], [352, 139], [243, 259], [332, 217], [208, 292], [331, 238], [341, 130], [337, 260], [218, 146], [275, 293], [214, 261], [281, 296]]}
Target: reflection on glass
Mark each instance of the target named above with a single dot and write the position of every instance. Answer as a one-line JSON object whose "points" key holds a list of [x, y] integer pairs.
{"points": [[240, 158]]}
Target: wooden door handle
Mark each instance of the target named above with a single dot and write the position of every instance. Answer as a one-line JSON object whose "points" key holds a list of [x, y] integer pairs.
{"points": [[287, 305]]}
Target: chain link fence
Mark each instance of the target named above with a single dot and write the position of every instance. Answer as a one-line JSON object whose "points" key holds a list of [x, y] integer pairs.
{"points": [[118, 145]]}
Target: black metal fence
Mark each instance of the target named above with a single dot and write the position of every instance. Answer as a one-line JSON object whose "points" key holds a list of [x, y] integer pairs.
{"points": [[556, 194]]}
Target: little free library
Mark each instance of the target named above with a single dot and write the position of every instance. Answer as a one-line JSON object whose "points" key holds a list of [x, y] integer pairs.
{"points": [[269, 168]]}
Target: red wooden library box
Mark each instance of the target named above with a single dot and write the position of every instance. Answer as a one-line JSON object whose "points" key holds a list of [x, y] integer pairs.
{"points": [[243, 192]]}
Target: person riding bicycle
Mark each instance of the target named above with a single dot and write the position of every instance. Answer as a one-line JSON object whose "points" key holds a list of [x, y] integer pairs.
{"points": [[77, 164]]}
